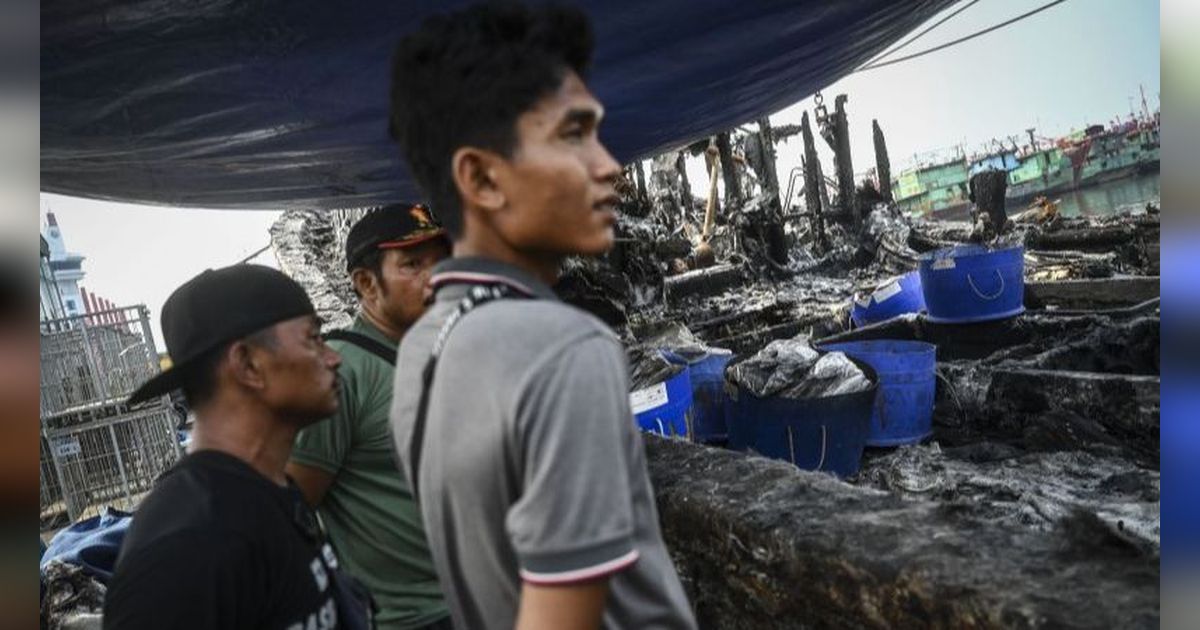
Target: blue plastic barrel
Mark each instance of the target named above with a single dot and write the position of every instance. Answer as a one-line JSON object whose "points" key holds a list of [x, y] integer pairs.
{"points": [[897, 297], [904, 405], [665, 408], [708, 396], [971, 283], [826, 434]]}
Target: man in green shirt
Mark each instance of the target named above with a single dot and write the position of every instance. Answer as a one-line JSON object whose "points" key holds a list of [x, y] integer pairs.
{"points": [[344, 466]]}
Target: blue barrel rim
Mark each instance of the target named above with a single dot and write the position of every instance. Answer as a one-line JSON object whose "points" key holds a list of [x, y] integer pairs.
{"points": [[1009, 314], [968, 250]]}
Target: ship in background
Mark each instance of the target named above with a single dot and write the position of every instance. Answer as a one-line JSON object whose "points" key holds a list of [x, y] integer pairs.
{"points": [[939, 187]]}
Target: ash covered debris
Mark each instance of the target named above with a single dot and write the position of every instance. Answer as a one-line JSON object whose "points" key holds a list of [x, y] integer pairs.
{"points": [[1026, 490], [73, 599], [311, 248]]}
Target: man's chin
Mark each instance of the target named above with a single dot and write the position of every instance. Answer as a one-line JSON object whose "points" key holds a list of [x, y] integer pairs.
{"points": [[599, 245]]}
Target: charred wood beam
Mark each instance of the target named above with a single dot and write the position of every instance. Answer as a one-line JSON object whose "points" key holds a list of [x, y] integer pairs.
{"points": [[641, 180], [770, 179], [685, 189], [701, 282], [883, 166], [729, 173], [1065, 410], [1093, 238], [987, 192], [783, 132], [843, 162], [982, 339], [1049, 410], [1092, 293], [760, 544], [773, 313], [813, 187]]}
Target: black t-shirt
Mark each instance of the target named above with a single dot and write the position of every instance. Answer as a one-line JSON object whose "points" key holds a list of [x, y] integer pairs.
{"points": [[217, 545]]}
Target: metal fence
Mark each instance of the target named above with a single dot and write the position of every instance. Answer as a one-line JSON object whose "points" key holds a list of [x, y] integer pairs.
{"points": [[95, 450], [105, 462], [95, 359]]}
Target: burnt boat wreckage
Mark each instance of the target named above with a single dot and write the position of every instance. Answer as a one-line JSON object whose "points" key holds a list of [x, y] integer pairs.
{"points": [[1035, 501]]}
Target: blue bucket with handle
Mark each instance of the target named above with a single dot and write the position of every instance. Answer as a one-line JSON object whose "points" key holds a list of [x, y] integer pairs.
{"points": [[972, 283], [665, 408], [903, 409], [893, 298], [825, 434]]}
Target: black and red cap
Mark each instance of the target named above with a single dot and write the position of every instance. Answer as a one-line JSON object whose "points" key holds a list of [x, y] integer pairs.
{"points": [[393, 226]]}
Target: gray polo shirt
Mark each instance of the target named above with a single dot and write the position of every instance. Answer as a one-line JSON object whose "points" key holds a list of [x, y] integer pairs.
{"points": [[532, 468]]}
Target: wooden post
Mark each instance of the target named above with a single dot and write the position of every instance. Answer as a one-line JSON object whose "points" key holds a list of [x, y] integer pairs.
{"points": [[843, 163], [733, 186], [710, 212], [685, 188], [641, 179], [987, 192], [766, 136], [883, 166], [813, 185]]}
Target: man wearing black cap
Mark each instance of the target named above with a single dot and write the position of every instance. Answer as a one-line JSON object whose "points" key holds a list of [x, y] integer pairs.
{"points": [[345, 465], [223, 540]]}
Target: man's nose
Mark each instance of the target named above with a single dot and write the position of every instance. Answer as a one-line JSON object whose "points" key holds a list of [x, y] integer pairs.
{"points": [[606, 168]]}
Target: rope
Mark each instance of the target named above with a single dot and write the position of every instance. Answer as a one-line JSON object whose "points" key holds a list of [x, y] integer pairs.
{"points": [[254, 255], [962, 39], [919, 35]]}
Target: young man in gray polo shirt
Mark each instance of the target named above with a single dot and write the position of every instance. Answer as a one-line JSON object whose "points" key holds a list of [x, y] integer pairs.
{"points": [[531, 478]]}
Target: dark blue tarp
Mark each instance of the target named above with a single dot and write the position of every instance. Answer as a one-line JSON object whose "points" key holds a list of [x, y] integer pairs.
{"points": [[277, 104], [92, 543]]}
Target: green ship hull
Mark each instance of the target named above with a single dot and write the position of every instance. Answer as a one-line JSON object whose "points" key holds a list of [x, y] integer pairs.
{"points": [[1084, 159]]}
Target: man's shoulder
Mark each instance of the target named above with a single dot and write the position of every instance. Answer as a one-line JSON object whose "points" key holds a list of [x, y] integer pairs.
{"points": [[200, 494]]}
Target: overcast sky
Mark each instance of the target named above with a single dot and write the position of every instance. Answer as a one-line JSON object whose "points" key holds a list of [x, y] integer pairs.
{"points": [[1077, 63]]}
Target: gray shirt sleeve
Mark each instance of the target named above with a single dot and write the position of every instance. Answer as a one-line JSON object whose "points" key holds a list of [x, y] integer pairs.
{"points": [[574, 518]]}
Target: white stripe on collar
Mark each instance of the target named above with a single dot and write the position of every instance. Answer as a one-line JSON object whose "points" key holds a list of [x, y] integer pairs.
{"points": [[470, 277]]}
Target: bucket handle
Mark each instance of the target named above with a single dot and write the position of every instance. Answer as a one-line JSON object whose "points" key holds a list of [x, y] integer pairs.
{"points": [[661, 431], [989, 298]]}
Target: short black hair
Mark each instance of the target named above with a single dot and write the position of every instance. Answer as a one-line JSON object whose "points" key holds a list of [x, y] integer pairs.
{"points": [[200, 378], [463, 78]]}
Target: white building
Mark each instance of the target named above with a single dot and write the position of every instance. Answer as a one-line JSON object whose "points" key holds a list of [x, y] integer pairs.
{"points": [[61, 273]]}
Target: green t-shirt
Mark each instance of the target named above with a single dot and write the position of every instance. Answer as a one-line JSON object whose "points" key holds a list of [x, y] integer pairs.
{"points": [[368, 510]]}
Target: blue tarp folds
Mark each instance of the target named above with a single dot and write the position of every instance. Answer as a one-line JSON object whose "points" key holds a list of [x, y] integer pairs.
{"points": [[272, 104]]}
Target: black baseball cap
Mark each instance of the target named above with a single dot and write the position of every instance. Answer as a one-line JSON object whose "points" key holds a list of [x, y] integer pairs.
{"points": [[217, 307], [389, 227]]}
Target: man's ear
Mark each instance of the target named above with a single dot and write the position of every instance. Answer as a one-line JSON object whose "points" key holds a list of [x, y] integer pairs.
{"points": [[364, 282], [474, 172], [245, 365]]}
